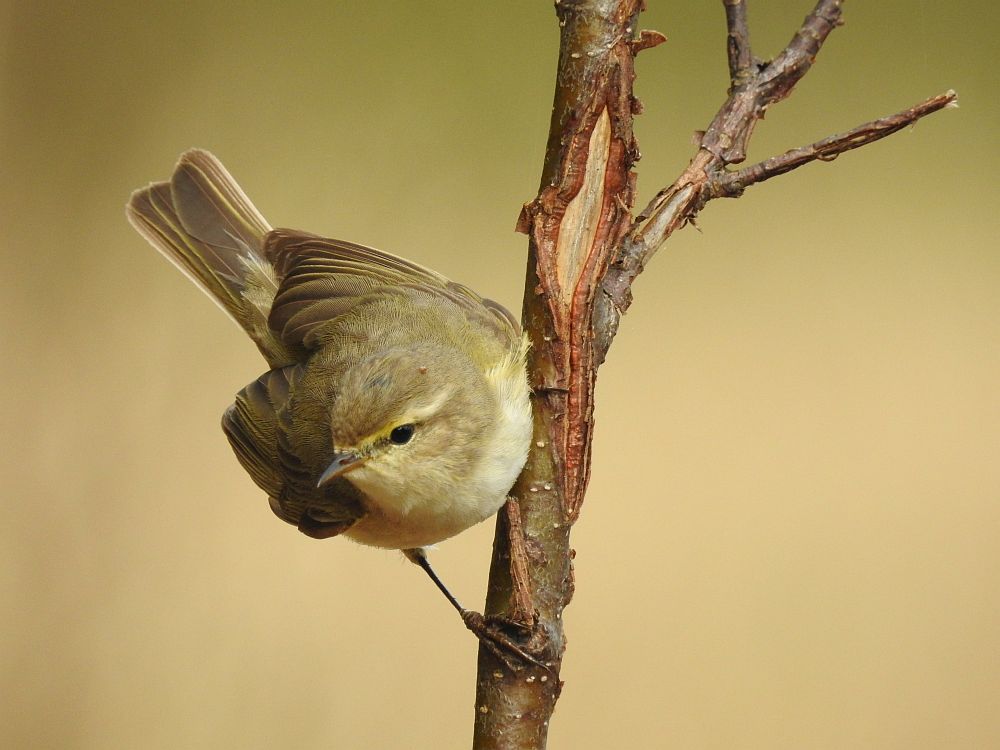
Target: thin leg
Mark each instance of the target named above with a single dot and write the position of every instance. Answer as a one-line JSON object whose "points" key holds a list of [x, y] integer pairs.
{"points": [[485, 629], [419, 557]]}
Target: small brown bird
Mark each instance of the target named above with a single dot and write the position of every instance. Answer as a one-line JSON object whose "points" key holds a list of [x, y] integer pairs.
{"points": [[396, 409]]}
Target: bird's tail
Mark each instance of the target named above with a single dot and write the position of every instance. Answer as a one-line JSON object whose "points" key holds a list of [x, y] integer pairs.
{"points": [[204, 224]]}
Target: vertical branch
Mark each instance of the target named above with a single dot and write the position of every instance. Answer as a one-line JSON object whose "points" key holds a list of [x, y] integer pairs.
{"points": [[738, 41], [582, 210]]}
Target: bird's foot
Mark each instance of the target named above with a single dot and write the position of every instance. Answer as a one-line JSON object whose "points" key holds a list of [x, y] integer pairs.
{"points": [[495, 633]]}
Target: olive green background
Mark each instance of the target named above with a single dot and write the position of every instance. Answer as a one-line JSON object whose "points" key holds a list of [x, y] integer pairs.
{"points": [[791, 536]]}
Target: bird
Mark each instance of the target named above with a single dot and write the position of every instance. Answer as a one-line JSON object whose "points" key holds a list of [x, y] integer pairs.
{"points": [[395, 410]]}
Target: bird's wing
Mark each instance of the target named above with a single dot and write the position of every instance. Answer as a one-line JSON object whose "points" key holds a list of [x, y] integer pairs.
{"points": [[321, 279], [251, 424], [257, 425]]}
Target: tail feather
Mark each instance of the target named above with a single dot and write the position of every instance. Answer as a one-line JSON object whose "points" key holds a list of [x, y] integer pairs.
{"points": [[204, 224], [213, 208]]}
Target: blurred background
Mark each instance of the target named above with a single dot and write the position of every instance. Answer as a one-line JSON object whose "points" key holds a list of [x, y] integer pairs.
{"points": [[791, 536]]}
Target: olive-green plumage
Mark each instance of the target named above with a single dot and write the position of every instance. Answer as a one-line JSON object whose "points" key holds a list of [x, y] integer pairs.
{"points": [[396, 409]]}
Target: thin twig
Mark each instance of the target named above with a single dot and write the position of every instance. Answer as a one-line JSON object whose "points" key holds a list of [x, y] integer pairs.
{"points": [[739, 49], [754, 88], [732, 184], [780, 76], [729, 132]]}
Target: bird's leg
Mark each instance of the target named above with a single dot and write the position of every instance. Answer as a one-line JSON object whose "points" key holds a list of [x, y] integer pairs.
{"points": [[487, 630]]}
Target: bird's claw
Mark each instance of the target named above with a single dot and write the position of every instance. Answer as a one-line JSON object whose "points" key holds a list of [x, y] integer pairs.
{"points": [[491, 632]]}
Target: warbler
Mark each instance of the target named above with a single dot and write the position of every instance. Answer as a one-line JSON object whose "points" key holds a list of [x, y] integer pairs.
{"points": [[395, 410]]}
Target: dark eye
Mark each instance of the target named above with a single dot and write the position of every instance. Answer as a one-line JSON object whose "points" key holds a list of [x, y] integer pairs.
{"points": [[401, 434]]}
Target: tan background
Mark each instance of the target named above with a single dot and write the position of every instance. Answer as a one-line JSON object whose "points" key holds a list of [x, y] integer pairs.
{"points": [[791, 537]]}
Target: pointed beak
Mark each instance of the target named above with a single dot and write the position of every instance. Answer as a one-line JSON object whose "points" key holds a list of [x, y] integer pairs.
{"points": [[342, 463]]}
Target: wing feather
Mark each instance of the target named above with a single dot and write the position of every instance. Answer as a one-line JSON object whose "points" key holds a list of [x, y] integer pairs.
{"points": [[322, 279], [258, 425]]}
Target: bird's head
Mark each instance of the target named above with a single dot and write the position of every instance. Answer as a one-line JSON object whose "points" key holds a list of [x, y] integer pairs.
{"points": [[409, 423]]}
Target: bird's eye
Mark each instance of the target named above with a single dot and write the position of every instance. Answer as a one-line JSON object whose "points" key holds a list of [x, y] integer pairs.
{"points": [[402, 434]]}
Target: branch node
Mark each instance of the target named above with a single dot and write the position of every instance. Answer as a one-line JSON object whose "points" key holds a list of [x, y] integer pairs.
{"points": [[732, 184]]}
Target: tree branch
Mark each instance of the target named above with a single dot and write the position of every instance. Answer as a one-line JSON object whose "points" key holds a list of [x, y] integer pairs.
{"points": [[732, 184], [739, 50], [582, 210], [780, 75], [725, 141], [585, 250]]}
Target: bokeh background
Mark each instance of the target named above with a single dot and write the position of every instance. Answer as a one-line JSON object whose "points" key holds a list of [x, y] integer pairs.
{"points": [[791, 536]]}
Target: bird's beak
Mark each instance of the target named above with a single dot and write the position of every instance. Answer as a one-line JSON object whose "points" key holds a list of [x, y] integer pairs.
{"points": [[343, 462]]}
